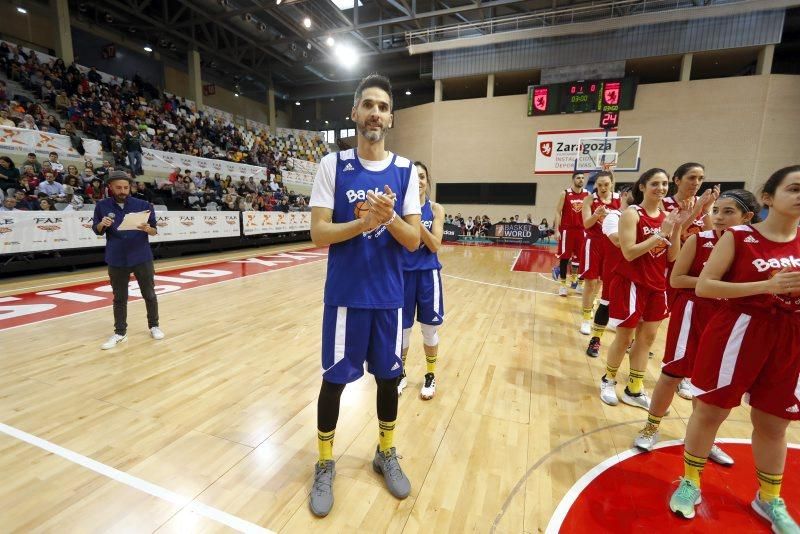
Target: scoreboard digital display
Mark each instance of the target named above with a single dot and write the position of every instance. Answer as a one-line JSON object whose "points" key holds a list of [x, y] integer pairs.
{"points": [[581, 97]]}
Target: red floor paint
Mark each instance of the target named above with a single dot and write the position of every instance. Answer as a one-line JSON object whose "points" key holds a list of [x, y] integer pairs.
{"points": [[633, 495], [535, 260], [29, 308]]}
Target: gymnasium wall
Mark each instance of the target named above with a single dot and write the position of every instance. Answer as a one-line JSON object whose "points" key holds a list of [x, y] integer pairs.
{"points": [[741, 128]]}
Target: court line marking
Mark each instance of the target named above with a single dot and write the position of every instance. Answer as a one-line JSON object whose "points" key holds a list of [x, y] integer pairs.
{"points": [[224, 259], [184, 503], [164, 295], [563, 508], [516, 258], [503, 286]]}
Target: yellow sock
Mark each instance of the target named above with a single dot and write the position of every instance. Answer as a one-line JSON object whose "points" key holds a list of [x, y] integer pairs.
{"points": [[573, 278], [611, 372], [386, 435], [597, 330], [769, 485], [430, 363], [325, 445], [635, 381], [587, 314], [693, 467], [564, 282], [653, 420]]}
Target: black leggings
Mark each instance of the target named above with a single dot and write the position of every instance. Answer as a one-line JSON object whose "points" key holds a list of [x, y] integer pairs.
{"points": [[330, 395]]}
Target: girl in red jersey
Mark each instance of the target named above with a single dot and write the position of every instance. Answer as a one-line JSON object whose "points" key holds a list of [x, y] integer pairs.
{"points": [[648, 238], [751, 346], [595, 207], [689, 314]]}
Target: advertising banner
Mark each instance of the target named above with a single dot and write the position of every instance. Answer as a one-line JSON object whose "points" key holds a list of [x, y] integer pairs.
{"points": [[21, 141], [271, 222], [556, 151]]}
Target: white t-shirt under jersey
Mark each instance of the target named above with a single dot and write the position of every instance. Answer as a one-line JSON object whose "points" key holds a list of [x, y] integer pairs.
{"points": [[322, 191]]}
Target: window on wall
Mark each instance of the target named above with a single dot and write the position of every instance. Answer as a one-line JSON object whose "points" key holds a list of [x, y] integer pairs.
{"points": [[329, 136]]}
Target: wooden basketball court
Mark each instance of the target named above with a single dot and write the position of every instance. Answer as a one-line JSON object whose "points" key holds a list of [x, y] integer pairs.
{"points": [[213, 428]]}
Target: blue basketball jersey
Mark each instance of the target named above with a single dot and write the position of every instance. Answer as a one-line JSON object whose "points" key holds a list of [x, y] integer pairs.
{"points": [[367, 270], [422, 259]]}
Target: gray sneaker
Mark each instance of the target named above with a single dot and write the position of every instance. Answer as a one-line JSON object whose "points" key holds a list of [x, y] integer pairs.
{"points": [[387, 465], [321, 498]]}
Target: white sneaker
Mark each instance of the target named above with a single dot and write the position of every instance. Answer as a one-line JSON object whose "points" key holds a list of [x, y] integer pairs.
{"points": [[113, 341], [401, 384], [579, 289], [562, 291], [608, 391], [586, 328], [429, 387], [156, 333], [637, 401], [719, 456], [684, 391], [647, 438]]}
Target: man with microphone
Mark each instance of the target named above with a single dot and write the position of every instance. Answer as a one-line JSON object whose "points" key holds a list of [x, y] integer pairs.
{"points": [[127, 251]]}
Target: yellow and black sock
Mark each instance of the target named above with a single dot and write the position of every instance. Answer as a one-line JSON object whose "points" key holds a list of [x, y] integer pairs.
{"points": [[653, 420], [769, 485], [325, 445], [430, 363], [635, 381], [587, 314], [564, 282], [597, 330], [693, 467], [386, 435], [611, 372]]}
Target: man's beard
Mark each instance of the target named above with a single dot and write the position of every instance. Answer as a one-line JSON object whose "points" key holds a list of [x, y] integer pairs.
{"points": [[371, 135], [121, 197]]}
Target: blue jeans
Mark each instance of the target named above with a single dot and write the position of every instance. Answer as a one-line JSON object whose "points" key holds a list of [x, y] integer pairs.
{"points": [[135, 162]]}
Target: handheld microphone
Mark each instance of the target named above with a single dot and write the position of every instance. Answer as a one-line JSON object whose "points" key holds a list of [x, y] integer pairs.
{"points": [[111, 216]]}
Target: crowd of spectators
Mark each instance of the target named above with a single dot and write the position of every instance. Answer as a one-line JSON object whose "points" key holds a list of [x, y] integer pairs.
{"points": [[129, 116]]}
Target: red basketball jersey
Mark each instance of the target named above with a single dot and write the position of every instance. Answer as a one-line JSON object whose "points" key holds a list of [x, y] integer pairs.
{"points": [[649, 269], [756, 258], [704, 244], [572, 212], [596, 230], [670, 204], [612, 255]]}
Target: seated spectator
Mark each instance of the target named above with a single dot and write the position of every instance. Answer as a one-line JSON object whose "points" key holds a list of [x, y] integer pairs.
{"points": [[87, 176], [27, 123], [96, 191], [104, 169], [52, 125], [4, 120], [32, 160], [45, 204], [56, 165], [28, 182], [24, 203], [74, 182], [74, 201], [9, 204], [284, 205], [469, 226], [9, 174], [62, 102], [50, 188]]}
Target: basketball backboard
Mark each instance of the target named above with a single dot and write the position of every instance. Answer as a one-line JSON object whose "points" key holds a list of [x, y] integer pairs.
{"points": [[618, 154]]}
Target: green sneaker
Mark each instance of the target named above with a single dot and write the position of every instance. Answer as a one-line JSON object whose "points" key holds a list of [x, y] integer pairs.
{"points": [[776, 513], [685, 498]]}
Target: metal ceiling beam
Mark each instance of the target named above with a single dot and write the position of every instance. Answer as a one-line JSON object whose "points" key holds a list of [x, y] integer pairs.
{"points": [[419, 16]]}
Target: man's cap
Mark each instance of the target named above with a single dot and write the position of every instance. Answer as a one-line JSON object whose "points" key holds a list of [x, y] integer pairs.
{"points": [[118, 175]]}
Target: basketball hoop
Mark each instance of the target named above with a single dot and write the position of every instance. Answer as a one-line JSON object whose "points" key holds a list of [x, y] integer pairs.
{"points": [[608, 167]]}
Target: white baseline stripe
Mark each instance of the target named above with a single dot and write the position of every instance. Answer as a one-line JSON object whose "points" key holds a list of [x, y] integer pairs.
{"points": [[574, 492], [137, 483], [516, 258]]}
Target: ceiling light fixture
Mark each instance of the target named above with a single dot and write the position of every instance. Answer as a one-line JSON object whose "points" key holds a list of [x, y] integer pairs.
{"points": [[408, 92], [148, 48], [330, 41], [346, 55], [297, 103], [307, 22], [22, 10]]}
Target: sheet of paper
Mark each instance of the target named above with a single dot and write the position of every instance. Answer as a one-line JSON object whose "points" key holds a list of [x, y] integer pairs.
{"points": [[132, 221]]}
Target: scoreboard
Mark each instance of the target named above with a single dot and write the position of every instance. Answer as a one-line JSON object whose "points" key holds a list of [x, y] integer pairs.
{"points": [[581, 97]]}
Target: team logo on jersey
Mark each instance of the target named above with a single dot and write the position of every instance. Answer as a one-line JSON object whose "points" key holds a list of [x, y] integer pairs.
{"points": [[708, 244], [658, 250], [793, 409], [348, 167], [577, 205], [762, 265], [750, 239]]}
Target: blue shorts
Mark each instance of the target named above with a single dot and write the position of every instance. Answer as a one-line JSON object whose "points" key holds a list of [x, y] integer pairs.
{"points": [[352, 336], [423, 294]]}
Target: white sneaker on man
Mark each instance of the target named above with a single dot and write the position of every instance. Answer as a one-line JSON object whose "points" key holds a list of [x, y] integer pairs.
{"points": [[586, 328], [113, 341], [156, 333]]}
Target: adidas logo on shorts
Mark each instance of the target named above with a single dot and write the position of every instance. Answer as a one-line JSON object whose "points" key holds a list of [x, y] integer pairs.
{"points": [[708, 244], [396, 366], [793, 409], [750, 239], [347, 167]]}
